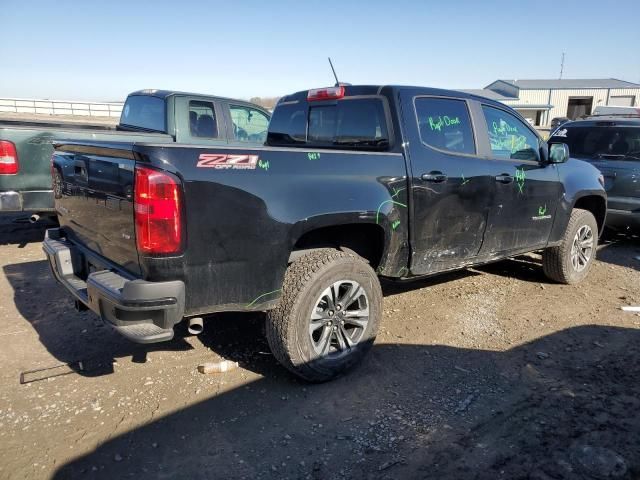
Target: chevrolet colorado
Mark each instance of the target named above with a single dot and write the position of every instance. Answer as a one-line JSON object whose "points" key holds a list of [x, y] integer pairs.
{"points": [[353, 182]]}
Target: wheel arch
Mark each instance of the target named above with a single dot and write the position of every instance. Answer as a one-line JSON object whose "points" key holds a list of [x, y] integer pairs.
{"points": [[367, 240], [597, 205]]}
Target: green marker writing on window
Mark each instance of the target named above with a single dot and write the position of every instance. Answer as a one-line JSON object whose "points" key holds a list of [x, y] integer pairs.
{"points": [[445, 121]]}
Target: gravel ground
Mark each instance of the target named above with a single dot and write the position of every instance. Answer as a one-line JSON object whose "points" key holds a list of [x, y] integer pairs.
{"points": [[487, 373]]}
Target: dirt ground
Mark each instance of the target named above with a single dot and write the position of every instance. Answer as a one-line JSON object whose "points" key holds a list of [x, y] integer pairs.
{"points": [[488, 373]]}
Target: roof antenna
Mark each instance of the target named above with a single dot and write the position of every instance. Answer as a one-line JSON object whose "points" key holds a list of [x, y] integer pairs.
{"points": [[561, 65], [334, 72]]}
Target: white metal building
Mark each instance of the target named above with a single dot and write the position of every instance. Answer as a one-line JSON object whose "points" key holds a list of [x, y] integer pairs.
{"points": [[541, 100]]}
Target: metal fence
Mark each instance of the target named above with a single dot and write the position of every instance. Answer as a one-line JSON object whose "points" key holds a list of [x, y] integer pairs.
{"points": [[60, 107]]}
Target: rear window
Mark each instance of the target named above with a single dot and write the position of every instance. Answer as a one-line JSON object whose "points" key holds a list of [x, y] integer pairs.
{"points": [[359, 124], [600, 142], [249, 124], [144, 112]]}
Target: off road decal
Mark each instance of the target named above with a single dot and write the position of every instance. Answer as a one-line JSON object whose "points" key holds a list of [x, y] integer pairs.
{"points": [[223, 161]]}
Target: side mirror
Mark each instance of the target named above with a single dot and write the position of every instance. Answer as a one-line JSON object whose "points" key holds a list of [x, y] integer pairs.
{"points": [[544, 153], [558, 153]]}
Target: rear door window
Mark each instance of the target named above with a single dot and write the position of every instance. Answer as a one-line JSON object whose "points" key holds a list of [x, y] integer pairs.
{"points": [[445, 124], [249, 124], [202, 120], [509, 137], [144, 112]]}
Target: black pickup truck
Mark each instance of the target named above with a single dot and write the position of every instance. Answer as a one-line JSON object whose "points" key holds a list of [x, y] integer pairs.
{"points": [[353, 182]]}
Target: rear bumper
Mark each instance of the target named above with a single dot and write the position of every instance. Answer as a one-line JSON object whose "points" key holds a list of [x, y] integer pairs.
{"points": [[144, 312], [623, 218], [33, 201]]}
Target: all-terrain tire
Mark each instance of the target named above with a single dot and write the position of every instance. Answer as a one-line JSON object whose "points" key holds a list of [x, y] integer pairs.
{"points": [[557, 261], [288, 325]]}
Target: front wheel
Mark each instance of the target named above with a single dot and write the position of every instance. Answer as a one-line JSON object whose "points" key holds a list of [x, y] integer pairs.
{"points": [[571, 261], [328, 315]]}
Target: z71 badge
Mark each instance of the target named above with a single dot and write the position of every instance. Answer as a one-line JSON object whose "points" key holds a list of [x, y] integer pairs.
{"points": [[223, 161]]}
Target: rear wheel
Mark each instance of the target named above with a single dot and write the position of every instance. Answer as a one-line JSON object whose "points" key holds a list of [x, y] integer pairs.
{"points": [[571, 261], [328, 315]]}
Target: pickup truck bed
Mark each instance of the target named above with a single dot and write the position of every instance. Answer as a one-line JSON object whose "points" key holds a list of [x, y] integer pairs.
{"points": [[353, 183]]}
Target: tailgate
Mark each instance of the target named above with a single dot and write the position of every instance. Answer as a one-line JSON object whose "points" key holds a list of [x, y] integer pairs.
{"points": [[93, 187], [34, 153]]}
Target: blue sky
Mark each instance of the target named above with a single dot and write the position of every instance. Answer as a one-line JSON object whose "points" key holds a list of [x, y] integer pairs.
{"points": [[101, 50]]}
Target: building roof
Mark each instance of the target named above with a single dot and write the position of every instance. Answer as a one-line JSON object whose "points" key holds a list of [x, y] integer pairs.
{"points": [[568, 83], [483, 92], [530, 106]]}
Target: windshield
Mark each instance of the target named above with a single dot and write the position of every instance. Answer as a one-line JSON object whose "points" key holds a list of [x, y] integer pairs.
{"points": [[601, 142]]}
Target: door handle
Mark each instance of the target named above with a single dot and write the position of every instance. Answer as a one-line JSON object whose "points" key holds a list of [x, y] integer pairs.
{"points": [[504, 178], [435, 177]]}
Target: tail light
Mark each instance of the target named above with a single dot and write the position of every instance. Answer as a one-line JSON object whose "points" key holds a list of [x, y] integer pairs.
{"points": [[158, 212], [329, 93], [8, 158]]}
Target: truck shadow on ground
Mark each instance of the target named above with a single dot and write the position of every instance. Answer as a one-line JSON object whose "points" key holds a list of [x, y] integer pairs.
{"points": [[620, 248], [71, 336], [562, 406]]}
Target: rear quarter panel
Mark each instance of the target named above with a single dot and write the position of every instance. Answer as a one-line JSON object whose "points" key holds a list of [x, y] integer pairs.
{"points": [[242, 223]]}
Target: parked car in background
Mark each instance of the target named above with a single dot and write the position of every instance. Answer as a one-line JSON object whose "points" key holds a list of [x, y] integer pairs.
{"points": [[613, 110], [557, 121], [353, 182], [157, 116], [612, 144]]}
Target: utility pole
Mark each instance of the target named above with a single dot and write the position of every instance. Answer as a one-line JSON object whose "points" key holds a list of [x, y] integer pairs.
{"points": [[561, 65]]}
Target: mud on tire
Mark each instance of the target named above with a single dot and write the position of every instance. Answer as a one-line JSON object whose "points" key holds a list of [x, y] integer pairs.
{"points": [[328, 315]]}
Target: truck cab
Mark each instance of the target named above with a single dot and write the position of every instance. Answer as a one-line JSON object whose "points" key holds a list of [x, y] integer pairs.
{"points": [[196, 119]]}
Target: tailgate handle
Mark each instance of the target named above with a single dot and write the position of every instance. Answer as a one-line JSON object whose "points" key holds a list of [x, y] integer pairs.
{"points": [[80, 168]]}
